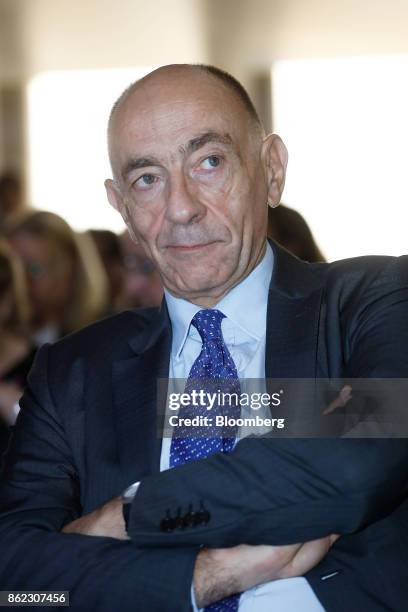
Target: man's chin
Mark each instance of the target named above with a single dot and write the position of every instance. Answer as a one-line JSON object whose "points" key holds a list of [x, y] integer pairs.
{"points": [[195, 288]]}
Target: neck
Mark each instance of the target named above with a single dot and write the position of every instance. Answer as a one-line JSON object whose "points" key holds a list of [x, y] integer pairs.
{"points": [[51, 318]]}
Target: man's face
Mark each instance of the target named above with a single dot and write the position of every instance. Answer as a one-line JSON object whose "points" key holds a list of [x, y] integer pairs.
{"points": [[192, 185]]}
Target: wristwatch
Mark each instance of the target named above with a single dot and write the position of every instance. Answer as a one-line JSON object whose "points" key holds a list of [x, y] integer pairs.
{"points": [[128, 496]]}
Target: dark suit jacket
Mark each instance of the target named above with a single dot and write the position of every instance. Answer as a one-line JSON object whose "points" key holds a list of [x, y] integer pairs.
{"points": [[89, 427]]}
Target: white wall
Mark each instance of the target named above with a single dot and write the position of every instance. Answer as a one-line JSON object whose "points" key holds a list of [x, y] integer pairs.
{"points": [[70, 34], [246, 35], [345, 124]]}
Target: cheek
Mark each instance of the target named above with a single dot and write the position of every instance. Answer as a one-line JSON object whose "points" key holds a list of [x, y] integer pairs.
{"points": [[227, 198], [249, 206], [143, 223], [146, 227], [214, 188]]}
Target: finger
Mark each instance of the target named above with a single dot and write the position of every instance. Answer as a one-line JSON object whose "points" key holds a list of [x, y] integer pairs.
{"points": [[340, 401], [345, 394], [336, 403]]}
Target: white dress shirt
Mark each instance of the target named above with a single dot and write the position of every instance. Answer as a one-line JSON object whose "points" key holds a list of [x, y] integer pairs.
{"points": [[244, 331]]}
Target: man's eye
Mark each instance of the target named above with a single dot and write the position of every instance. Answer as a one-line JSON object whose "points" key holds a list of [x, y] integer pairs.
{"points": [[145, 180], [211, 162]]}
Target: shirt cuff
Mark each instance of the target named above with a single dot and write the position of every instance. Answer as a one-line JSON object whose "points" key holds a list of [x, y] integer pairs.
{"points": [[193, 601]]}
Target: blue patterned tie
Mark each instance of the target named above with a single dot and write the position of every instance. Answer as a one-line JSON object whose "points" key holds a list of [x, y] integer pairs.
{"points": [[216, 370]]}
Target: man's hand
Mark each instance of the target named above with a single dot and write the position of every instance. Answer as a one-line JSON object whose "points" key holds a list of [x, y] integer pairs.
{"points": [[104, 521], [223, 572], [340, 401], [218, 572]]}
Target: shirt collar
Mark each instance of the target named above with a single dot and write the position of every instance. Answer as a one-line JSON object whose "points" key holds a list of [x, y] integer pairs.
{"points": [[245, 305]]}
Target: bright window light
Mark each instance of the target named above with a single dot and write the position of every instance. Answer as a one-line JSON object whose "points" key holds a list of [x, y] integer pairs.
{"points": [[67, 151], [345, 123]]}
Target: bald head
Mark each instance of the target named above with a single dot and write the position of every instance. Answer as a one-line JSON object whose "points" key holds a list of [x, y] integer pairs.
{"points": [[193, 172], [183, 78]]}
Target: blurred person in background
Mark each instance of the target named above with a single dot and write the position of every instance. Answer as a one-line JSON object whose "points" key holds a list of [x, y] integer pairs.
{"points": [[109, 249], [67, 285], [142, 282], [287, 227], [11, 197], [16, 350]]}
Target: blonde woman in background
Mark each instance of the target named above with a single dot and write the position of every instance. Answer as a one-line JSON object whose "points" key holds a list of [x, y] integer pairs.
{"points": [[67, 285], [16, 350]]}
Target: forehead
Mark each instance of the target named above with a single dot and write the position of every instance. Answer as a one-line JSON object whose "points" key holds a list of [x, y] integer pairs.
{"points": [[164, 114]]}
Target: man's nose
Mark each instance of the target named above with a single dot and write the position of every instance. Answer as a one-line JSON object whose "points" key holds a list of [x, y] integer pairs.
{"points": [[183, 205]]}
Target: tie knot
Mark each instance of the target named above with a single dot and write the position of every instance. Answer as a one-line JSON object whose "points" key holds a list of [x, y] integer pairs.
{"points": [[208, 324]]}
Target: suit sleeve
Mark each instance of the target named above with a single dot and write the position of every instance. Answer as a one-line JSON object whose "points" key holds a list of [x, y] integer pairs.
{"points": [[366, 570], [282, 491], [39, 493]]}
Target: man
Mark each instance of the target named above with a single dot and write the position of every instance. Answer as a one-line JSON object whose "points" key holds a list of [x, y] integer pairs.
{"points": [[193, 172]]}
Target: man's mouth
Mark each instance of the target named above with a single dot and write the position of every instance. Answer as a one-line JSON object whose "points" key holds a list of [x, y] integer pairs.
{"points": [[189, 248]]}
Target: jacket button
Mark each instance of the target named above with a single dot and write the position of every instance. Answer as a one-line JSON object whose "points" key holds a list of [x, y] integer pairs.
{"points": [[178, 521], [189, 519], [205, 516], [167, 524]]}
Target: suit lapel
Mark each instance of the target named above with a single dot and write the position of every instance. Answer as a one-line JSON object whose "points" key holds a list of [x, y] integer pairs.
{"points": [[294, 305], [137, 414], [294, 301]]}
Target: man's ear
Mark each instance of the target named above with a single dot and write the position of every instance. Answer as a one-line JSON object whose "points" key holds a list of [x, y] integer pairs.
{"points": [[116, 201], [274, 156], [114, 195]]}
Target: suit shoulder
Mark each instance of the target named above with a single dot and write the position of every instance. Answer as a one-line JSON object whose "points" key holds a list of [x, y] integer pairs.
{"points": [[369, 270], [106, 335], [357, 282]]}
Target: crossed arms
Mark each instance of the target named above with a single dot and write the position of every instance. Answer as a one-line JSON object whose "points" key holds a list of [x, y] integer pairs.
{"points": [[41, 494], [293, 491]]}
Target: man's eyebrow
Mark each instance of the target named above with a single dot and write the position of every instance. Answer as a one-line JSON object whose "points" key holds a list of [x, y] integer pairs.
{"points": [[203, 139], [193, 145], [138, 162]]}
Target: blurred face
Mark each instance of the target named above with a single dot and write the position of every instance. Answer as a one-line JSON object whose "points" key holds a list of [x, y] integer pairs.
{"points": [[49, 271], [192, 181], [142, 286], [142, 283]]}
